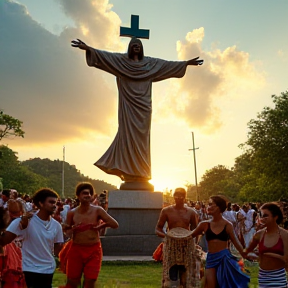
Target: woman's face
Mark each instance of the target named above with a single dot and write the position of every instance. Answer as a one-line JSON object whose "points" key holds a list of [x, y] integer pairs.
{"points": [[212, 207], [267, 217]]}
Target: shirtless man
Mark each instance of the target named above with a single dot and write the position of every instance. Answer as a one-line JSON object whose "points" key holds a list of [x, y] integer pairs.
{"points": [[85, 253], [177, 215]]}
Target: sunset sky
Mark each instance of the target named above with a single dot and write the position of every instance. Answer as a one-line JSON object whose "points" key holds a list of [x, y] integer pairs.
{"points": [[47, 84]]}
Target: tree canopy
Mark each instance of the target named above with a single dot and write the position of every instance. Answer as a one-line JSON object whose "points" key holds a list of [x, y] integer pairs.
{"points": [[10, 126], [260, 173]]}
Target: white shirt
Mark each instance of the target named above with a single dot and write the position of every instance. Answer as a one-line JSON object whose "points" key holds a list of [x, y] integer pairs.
{"points": [[230, 216], [64, 212], [249, 219], [38, 243], [28, 206]]}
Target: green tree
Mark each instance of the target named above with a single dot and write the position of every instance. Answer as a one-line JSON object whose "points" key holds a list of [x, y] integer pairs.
{"points": [[216, 181], [192, 192], [267, 146], [17, 176], [52, 171], [10, 126]]}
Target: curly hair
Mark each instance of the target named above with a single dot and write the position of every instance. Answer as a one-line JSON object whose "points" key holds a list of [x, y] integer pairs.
{"points": [[42, 194], [82, 186]]}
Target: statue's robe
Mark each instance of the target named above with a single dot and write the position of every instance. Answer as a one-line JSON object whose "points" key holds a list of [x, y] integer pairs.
{"points": [[129, 154]]}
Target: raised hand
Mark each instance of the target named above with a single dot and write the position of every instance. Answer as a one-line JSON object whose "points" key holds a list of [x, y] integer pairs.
{"points": [[77, 43], [25, 220], [195, 61]]}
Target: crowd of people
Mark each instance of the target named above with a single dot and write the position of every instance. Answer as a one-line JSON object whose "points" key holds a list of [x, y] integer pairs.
{"points": [[34, 231], [70, 229], [253, 231]]}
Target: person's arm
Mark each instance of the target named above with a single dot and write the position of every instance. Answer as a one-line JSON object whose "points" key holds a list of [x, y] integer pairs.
{"points": [[108, 220], [57, 248], [253, 244], [160, 224], [194, 220], [67, 226], [195, 62], [234, 239], [284, 235], [58, 240], [69, 221], [12, 231], [199, 229], [25, 220], [6, 237]]}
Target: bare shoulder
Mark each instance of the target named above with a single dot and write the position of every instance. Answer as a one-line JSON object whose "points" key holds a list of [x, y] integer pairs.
{"points": [[167, 209], [204, 223], [228, 223], [191, 210], [283, 232], [72, 211], [258, 235], [97, 209]]}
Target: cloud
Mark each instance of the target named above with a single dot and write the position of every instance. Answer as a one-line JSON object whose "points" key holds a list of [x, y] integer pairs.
{"points": [[46, 83], [227, 73]]}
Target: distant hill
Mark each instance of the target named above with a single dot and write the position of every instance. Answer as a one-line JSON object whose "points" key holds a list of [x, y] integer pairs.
{"points": [[52, 171]]}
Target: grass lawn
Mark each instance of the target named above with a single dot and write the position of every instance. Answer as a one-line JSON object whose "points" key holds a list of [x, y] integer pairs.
{"points": [[118, 274]]}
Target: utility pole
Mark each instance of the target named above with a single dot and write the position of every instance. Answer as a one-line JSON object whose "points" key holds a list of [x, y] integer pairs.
{"points": [[193, 149], [63, 162]]}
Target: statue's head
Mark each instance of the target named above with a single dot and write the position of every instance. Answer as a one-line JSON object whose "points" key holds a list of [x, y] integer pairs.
{"points": [[135, 46]]}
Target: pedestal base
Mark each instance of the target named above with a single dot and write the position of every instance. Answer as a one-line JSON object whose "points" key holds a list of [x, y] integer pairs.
{"points": [[136, 186], [130, 245], [137, 213]]}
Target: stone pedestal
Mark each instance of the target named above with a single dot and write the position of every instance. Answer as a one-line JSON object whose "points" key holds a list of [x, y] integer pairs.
{"points": [[137, 213]]}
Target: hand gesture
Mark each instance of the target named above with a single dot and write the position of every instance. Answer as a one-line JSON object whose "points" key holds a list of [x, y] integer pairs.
{"points": [[77, 43], [195, 62], [25, 220]]}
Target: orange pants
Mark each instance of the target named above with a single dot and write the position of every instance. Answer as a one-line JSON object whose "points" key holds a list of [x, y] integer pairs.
{"points": [[84, 259]]}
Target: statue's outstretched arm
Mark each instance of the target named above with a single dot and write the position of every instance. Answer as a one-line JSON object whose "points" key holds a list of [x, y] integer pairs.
{"points": [[77, 43], [195, 61]]}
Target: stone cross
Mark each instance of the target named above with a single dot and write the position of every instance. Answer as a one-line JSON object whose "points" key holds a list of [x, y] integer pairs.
{"points": [[134, 30]]}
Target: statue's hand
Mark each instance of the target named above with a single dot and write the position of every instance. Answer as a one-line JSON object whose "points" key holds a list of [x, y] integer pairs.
{"points": [[195, 61], [77, 43]]}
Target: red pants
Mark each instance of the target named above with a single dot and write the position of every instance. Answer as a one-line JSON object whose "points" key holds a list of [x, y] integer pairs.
{"points": [[84, 259]]}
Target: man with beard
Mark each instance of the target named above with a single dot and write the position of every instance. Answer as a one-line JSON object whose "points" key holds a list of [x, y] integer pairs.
{"points": [[129, 154], [85, 253], [41, 238]]}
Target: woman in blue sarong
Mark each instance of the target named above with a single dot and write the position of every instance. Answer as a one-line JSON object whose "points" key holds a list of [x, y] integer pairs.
{"points": [[222, 269]]}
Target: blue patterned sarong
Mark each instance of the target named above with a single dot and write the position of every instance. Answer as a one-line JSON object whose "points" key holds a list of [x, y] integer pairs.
{"points": [[272, 278], [228, 272]]}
